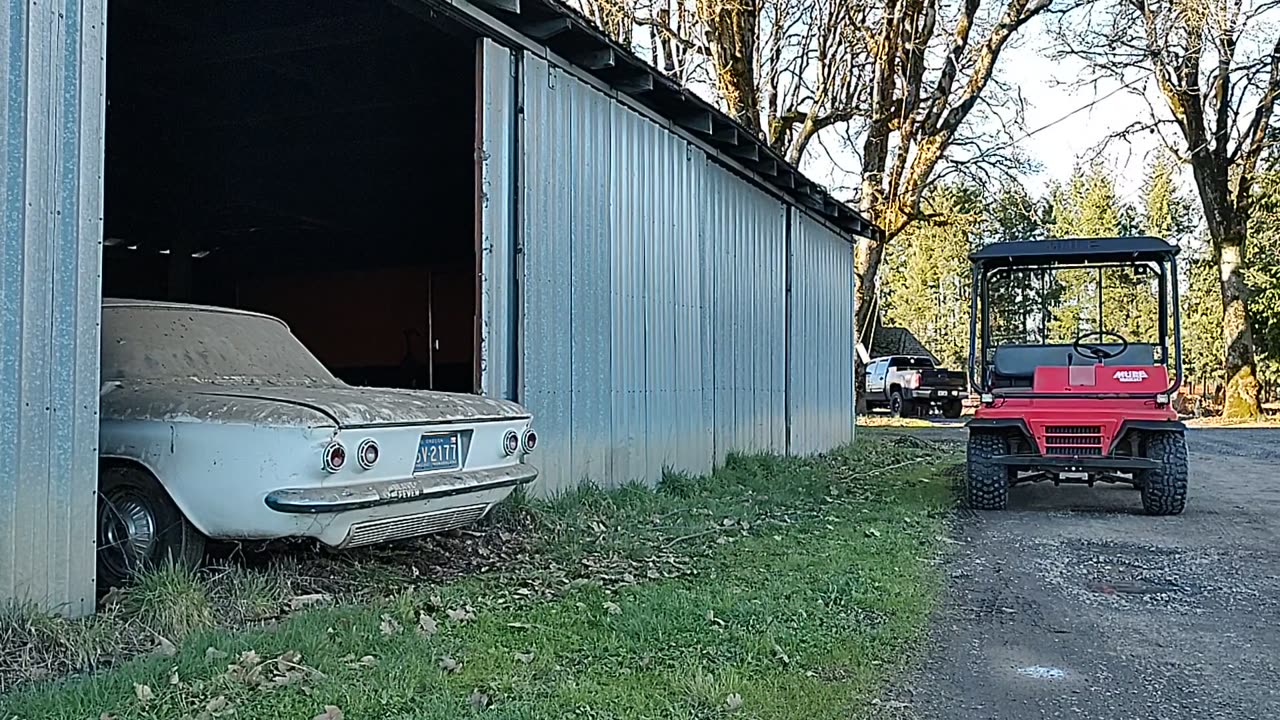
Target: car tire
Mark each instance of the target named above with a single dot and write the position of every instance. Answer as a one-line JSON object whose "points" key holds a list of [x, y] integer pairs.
{"points": [[986, 484], [1164, 489], [899, 406], [952, 409], [140, 528]]}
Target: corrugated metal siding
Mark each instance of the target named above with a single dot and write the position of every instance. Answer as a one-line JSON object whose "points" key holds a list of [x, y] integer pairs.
{"points": [[657, 339], [612, 275], [52, 108], [495, 160], [821, 337], [745, 233], [655, 299], [546, 354]]}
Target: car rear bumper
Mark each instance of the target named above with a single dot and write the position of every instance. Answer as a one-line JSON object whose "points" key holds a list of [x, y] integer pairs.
{"points": [[315, 500]]}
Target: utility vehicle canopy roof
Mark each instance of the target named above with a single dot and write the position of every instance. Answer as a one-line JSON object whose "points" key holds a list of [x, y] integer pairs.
{"points": [[1074, 251]]}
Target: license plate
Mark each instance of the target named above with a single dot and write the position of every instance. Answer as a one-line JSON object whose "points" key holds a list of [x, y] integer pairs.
{"points": [[437, 452]]}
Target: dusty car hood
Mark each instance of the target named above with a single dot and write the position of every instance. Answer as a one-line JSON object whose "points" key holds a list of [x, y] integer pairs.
{"points": [[258, 404]]}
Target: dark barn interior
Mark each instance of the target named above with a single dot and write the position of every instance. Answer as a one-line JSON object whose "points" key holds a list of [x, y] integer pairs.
{"points": [[314, 161]]}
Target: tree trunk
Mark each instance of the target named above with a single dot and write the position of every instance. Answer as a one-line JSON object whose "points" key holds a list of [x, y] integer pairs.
{"points": [[1241, 397], [866, 262]]}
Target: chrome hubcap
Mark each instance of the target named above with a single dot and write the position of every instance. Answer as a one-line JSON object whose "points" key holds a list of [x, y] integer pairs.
{"points": [[126, 533]]}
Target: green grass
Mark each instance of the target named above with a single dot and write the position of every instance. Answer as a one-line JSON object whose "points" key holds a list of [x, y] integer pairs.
{"points": [[773, 589]]}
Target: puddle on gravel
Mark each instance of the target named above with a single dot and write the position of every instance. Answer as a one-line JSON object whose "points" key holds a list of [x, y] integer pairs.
{"points": [[1042, 672]]}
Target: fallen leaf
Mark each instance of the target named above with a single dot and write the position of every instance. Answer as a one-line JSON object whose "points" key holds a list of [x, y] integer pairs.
{"points": [[143, 693], [107, 715], [478, 700], [733, 702], [216, 708], [727, 522], [461, 614], [173, 677], [436, 602], [520, 626], [873, 533], [249, 658], [214, 654], [612, 608], [525, 658], [299, 602], [628, 578], [722, 540], [368, 661], [426, 624], [389, 626], [449, 665], [331, 712], [164, 648]]}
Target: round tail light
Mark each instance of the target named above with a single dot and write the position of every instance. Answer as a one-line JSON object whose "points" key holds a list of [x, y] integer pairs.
{"points": [[511, 442], [367, 454], [530, 441], [335, 456]]}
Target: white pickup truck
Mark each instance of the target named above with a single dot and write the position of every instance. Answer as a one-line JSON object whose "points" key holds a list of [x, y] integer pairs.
{"points": [[910, 385]]}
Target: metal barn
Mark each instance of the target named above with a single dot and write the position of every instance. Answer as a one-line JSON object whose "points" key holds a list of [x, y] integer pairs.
{"points": [[551, 219]]}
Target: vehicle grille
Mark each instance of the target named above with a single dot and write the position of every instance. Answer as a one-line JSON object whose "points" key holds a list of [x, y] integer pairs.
{"points": [[408, 526], [1073, 440]]}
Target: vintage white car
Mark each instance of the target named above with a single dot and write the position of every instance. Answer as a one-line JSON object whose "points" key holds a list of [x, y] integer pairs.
{"points": [[219, 423]]}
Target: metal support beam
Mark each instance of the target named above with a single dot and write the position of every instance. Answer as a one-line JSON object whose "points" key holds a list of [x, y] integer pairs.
{"points": [[697, 122], [510, 6], [547, 29], [597, 59], [638, 83]]}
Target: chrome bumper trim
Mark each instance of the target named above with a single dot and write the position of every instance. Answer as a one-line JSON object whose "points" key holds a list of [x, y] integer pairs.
{"points": [[393, 492]]}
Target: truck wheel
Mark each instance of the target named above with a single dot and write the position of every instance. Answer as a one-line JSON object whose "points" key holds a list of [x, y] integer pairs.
{"points": [[986, 482], [1164, 489], [899, 406], [139, 527], [952, 409]]}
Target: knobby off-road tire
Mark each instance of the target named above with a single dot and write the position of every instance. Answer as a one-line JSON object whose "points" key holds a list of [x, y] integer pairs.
{"points": [[139, 527], [1164, 489], [986, 484]]}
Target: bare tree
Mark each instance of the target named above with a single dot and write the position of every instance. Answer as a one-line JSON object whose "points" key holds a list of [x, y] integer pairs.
{"points": [[1215, 68], [932, 64], [785, 69]]}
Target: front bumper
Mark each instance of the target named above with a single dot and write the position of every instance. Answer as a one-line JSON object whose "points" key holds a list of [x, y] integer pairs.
{"points": [[1084, 463], [391, 492]]}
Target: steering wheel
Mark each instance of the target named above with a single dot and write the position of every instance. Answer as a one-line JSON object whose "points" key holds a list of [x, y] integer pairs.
{"points": [[1096, 351]]}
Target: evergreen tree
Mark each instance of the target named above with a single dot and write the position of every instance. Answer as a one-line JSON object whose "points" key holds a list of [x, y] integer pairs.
{"points": [[927, 273]]}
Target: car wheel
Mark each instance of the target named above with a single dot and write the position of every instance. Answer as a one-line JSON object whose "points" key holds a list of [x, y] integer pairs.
{"points": [[899, 406], [951, 409], [1164, 489], [140, 528], [986, 484]]}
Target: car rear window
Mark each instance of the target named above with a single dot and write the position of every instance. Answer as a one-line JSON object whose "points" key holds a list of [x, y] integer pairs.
{"points": [[141, 342], [913, 362]]}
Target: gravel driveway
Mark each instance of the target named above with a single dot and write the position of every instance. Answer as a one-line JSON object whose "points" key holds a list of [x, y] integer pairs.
{"points": [[1072, 604]]}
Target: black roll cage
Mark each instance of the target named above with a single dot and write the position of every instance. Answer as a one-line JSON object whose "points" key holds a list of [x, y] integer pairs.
{"points": [[988, 264]]}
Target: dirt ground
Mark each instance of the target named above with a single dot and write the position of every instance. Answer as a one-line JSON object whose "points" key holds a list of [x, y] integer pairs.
{"points": [[1072, 604]]}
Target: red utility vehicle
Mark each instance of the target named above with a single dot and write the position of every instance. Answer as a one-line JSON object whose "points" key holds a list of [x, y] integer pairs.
{"points": [[1093, 410]]}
